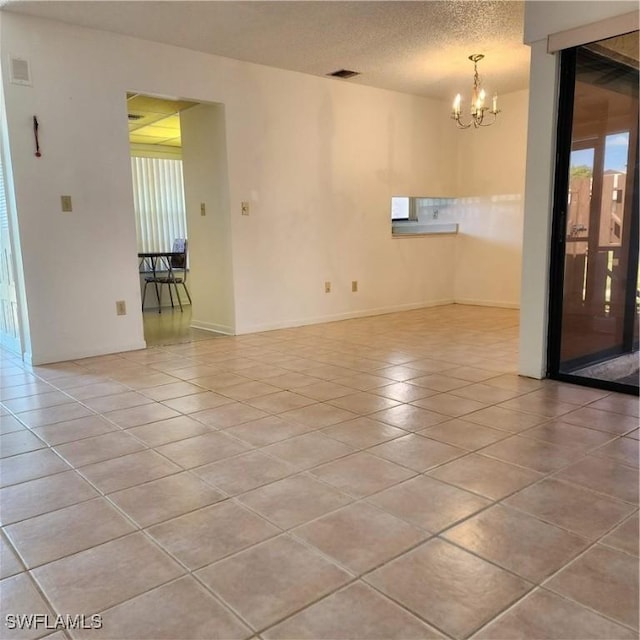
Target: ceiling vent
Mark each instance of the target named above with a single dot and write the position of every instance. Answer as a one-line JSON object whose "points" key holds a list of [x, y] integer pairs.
{"points": [[19, 71], [344, 74]]}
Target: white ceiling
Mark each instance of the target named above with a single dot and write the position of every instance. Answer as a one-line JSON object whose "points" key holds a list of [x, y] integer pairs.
{"points": [[413, 47]]}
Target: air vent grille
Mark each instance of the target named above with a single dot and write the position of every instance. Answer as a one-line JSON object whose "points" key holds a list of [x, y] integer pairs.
{"points": [[20, 72], [344, 73]]}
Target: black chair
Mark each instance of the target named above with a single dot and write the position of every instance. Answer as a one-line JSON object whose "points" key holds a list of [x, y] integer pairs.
{"points": [[176, 274]]}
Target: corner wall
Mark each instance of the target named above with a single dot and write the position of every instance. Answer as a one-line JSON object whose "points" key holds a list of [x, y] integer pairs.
{"points": [[490, 207], [317, 159]]}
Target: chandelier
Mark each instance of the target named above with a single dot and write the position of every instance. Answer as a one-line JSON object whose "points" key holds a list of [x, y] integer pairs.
{"points": [[478, 108]]}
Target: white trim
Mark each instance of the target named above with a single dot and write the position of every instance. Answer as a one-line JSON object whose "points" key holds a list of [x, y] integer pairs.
{"points": [[615, 26], [214, 328], [53, 357], [487, 303], [538, 205], [257, 328]]}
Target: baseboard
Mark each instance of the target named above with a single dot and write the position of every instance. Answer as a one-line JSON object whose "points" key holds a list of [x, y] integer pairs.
{"points": [[214, 328], [487, 303], [349, 315], [37, 359]]}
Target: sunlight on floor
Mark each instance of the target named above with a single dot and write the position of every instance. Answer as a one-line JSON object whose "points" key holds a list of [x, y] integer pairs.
{"points": [[172, 326]]}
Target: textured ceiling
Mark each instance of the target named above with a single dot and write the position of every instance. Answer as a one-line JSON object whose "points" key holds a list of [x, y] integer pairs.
{"points": [[413, 47]]}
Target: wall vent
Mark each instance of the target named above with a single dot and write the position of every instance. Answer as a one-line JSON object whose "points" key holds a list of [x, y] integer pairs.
{"points": [[20, 73], [344, 73]]}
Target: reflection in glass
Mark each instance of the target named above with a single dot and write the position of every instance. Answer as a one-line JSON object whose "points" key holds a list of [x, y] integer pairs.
{"points": [[599, 324]]}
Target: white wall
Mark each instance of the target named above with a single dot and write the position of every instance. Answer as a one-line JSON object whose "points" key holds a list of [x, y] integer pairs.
{"points": [[542, 19], [320, 204], [76, 265], [545, 17], [318, 160], [491, 166], [204, 160]]}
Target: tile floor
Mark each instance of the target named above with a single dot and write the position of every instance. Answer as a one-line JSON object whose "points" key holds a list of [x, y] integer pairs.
{"points": [[170, 327], [386, 477]]}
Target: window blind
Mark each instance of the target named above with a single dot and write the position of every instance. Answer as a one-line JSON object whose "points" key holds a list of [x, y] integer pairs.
{"points": [[158, 196]]}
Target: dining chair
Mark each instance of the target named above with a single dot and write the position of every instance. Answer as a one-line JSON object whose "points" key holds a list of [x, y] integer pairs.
{"points": [[175, 275]]}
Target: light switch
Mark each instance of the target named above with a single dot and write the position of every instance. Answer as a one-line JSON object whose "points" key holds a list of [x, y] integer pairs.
{"points": [[65, 202], [244, 207], [203, 209]]}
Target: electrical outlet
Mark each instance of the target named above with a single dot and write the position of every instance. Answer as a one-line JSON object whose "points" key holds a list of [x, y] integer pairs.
{"points": [[65, 203], [354, 285], [203, 209], [327, 287], [121, 308], [244, 208]]}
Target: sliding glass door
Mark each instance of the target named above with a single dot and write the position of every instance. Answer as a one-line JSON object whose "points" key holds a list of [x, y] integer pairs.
{"points": [[593, 331]]}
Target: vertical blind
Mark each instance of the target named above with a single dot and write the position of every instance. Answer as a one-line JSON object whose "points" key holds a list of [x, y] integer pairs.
{"points": [[9, 327], [4, 214], [158, 196]]}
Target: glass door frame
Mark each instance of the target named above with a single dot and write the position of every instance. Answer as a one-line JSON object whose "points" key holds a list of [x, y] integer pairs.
{"points": [[564, 135]]}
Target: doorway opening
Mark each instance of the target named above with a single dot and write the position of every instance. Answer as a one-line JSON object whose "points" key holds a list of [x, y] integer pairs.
{"points": [[595, 300], [191, 136], [155, 142]]}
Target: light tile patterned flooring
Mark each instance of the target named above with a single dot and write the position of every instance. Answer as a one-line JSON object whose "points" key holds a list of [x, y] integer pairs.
{"points": [[386, 477]]}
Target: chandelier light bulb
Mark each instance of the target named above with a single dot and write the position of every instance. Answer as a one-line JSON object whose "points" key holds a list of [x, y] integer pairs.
{"points": [[456, 104]]}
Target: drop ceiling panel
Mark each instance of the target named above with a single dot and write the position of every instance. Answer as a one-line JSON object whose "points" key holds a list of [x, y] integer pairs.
{"points": [[172, 122], [158, 119], [138, 139], [158, 132], [145, 120]]}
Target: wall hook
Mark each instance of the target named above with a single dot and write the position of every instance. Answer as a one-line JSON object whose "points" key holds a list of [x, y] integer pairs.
{"points": [[35, 135]]}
